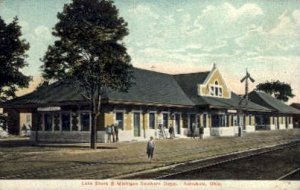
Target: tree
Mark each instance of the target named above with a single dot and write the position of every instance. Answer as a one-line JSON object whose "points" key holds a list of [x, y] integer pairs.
{"points": [[12, 59], [280, 90], [89, 50]]}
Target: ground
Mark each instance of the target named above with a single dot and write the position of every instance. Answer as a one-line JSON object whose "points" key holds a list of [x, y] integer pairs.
{"points": [[20, 160]]}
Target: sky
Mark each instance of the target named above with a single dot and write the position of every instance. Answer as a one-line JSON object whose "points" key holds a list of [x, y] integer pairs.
{"points": [[181, 36]]}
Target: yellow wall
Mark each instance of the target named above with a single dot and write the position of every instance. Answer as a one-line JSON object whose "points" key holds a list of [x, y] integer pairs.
{"points": [[108, 119], [128, 121], [247, 120], [230, 120], [208, 119], [23, 119], [271, 120], [216, 77], [201, 120], [252, 120]]}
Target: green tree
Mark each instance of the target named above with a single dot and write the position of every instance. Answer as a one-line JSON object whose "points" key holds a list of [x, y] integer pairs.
{"points": [[89, 50], [12, 59], [280, 90]]}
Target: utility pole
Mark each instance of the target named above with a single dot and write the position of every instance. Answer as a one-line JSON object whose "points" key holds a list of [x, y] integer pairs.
{"points": [[244, 98]]}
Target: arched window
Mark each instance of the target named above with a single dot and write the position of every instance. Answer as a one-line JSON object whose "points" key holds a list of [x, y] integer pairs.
{"points": [[216, 89]]}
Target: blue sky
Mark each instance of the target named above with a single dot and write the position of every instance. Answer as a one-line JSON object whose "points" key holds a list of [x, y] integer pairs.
{"points": [[176, 36]]}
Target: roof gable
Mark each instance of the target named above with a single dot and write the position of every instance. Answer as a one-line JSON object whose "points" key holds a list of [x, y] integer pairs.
{"points": [[214, 85]]}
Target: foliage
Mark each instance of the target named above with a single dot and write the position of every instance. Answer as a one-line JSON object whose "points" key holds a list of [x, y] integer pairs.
{"points": [[12, 59], [89, 50], [280, 90]]}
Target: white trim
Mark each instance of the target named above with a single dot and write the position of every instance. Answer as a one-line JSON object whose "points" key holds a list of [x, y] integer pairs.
{"points": [[211, 73], [180, 123]]}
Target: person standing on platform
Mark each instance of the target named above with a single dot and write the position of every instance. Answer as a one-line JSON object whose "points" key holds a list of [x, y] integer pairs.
{"points": [[113, 132], [193, 127], [171, 131], [150, 149], [116, 130], [109, 133]]}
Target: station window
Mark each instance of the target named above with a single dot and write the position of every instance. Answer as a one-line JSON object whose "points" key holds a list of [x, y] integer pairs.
{"points": [[151, 120], [65, 121], [216, 90], [85, 121], [235, 120], [48, 121], [165, 120], [120, 119]]}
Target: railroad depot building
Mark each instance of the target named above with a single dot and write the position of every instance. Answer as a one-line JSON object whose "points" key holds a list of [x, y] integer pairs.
{"points": [[61, 114], [296, 118], [282, 116]]}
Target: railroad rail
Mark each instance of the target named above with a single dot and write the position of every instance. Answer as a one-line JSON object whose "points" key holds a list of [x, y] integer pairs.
{"points": [[289, 174], [232, 158]]}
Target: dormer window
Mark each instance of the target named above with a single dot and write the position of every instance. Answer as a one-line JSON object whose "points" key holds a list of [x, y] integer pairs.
{"points": [[216, 90]]}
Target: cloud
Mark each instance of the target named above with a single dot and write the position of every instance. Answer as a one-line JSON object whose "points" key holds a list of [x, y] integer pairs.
{"points": [[282, 39], [296, 16], [143, 10], [247, 10], [42, 32], [24, 25]]}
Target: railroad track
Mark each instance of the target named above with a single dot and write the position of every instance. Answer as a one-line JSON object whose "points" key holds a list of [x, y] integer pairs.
{"points": [[285, 176], [192, 166], [233, 158], [86, 167]]}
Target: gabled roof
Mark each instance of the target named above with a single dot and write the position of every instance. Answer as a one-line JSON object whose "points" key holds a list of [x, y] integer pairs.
{"points": [[189, 82], [153, 87], [296, 105], [150, 87], [268, 101], [58, 92]]}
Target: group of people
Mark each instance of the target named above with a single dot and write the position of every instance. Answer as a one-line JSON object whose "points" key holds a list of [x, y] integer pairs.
{"points": [[192, 131], [112, 132], [113, 136]]}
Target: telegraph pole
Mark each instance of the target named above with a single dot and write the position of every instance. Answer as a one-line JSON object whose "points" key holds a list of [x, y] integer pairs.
{"points": [[244, 98]]}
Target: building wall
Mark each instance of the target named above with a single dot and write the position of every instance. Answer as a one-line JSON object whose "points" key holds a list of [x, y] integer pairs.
{"points": [[128, 121], [127, 134], [215, 77], [25, 119]]}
